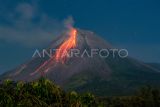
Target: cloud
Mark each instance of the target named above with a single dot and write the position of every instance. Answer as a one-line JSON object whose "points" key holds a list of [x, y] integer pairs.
{"points": [[28, 26], [69, 22], [25, 10]]}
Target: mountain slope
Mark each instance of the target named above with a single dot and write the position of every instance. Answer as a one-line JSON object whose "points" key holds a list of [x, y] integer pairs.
{"points": [[155, 65], [125, 79]]}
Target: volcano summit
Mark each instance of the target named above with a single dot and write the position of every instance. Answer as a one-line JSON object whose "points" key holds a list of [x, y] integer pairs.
{"points": [[102, 76]]}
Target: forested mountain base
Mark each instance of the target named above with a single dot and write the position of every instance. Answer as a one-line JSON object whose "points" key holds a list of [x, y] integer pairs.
{"points": [[44, 93]]}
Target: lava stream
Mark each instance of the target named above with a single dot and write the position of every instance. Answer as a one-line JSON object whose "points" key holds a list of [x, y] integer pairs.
{"points": [[61, 53]]}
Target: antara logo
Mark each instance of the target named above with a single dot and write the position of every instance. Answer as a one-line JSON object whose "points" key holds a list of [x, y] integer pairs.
{"points": [[103, 53]]}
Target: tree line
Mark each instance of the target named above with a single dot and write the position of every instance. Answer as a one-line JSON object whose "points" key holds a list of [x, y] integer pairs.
{"points": [[44, 93]]}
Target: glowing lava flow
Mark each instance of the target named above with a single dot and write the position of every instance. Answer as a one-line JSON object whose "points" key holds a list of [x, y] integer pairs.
{"points": [[61, 54]]}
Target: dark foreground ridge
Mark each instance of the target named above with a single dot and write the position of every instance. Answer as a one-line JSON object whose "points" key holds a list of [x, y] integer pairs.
{"points": [[44, 93]]}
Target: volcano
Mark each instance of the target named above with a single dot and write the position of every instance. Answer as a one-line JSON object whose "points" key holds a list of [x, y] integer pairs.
{"points": [[101, 76]]}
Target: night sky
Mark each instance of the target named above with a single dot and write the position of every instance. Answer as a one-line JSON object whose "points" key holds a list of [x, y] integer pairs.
{"points": [[27, 25]]}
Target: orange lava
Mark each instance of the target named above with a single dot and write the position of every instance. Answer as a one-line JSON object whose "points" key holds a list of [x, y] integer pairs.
{"points": [[61, 53]]}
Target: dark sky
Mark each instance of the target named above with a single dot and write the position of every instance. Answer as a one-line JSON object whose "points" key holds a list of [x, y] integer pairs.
{"points": [[26, 25]]}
